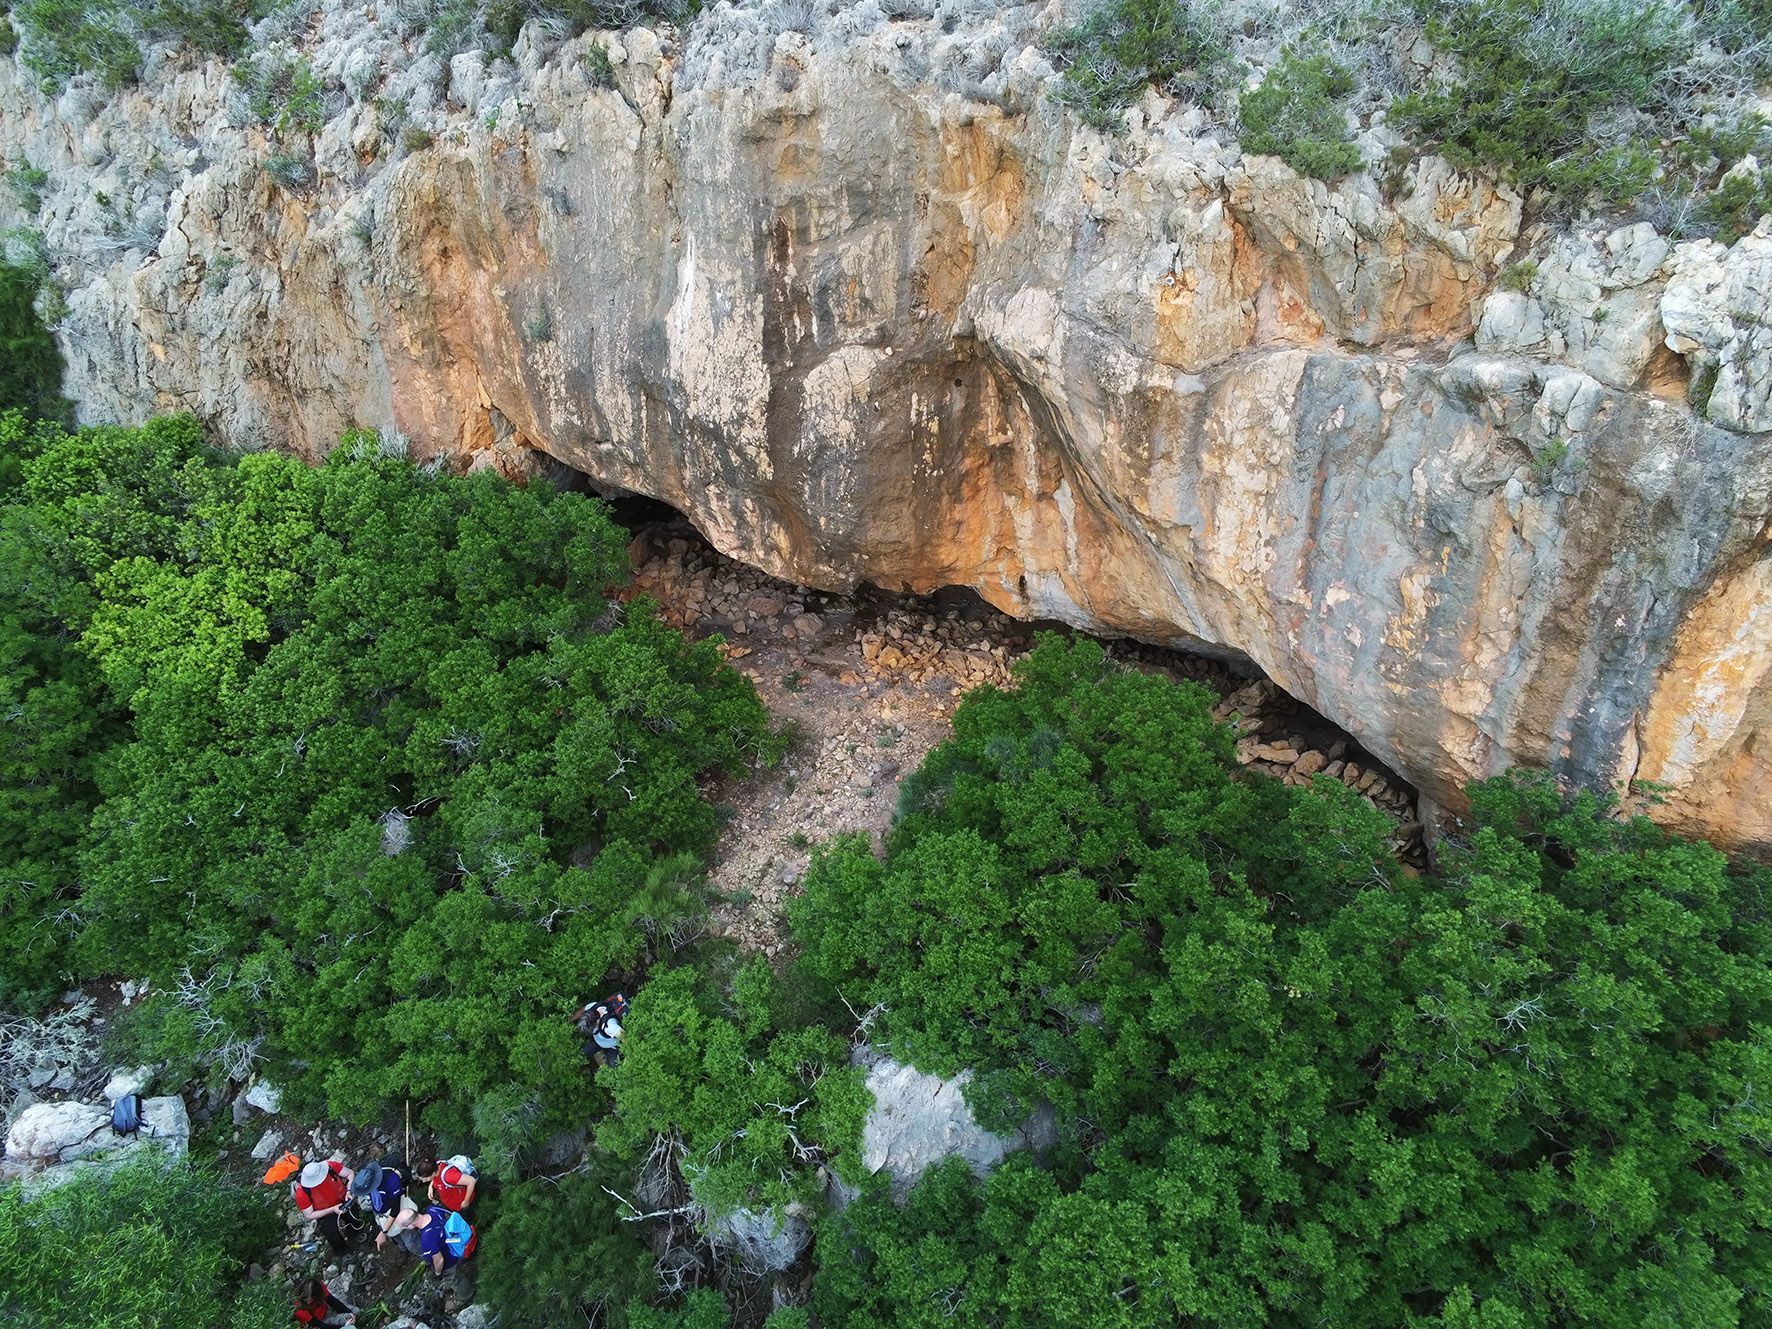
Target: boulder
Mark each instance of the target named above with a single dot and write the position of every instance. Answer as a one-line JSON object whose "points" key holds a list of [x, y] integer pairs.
{"points": [[264, 1096], [269, 1146], [920, 1119], [47, 1137], [56, 1132], [123, 1082], [765, 1242]]}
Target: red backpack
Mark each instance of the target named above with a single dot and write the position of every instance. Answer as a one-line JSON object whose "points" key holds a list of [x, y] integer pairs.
{"points": [[325, 1195], [449, 1186]]}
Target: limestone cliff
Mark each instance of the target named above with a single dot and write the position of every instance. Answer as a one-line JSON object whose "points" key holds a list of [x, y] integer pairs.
{"points": [[866, 304]]}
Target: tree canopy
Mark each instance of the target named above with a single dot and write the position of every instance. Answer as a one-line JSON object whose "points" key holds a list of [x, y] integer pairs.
{"points": [[358, 764], [365, 769], [1296, 1084]]}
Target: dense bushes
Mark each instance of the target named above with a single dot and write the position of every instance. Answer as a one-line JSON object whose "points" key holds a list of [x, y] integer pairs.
{"points": [[752, 1109], [1533, 77], [1121, 47], [108, 38], [30, 363], [1297, 1085], [105, 38], [1572, 101], [1297, 116], [361, 767], [397, 787], [146, 1244]]}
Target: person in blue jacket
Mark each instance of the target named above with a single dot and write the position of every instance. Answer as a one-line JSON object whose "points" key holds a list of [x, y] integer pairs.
{"points": [[433, 1243]]}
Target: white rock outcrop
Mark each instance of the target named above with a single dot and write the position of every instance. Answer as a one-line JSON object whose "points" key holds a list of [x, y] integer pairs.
{"points": [[47, 1138], [918, 1120]]}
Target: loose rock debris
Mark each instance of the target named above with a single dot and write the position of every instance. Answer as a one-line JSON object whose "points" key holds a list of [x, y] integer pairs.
{"points": [[867, 685]]}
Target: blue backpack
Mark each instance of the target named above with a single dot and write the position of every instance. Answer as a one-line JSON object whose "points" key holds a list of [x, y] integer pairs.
{"points": [[458, 1237], [126, 1114]]}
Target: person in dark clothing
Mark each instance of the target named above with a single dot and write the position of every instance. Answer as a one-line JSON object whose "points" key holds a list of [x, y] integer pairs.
{"points": [[600, 1024], [433, 1239], [315, 1304], [383, 1186]]}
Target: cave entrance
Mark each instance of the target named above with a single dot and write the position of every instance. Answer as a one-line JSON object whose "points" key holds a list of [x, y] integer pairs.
{"points": [[802, 645]]}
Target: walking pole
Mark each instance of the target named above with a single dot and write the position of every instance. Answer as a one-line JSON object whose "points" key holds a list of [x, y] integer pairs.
{"points": [[408, 1154]]}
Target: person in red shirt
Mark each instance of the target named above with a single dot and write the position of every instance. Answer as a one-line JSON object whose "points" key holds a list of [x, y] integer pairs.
{"points": [[321, 1193], [317, 1305], [448, 1184]]}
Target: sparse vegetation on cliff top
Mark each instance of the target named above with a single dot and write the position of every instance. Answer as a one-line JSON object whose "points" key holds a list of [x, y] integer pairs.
{"points": [[1572, 101]]}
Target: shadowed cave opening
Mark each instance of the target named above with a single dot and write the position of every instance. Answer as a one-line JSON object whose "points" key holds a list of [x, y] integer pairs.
{"points": [[1277, 733]]}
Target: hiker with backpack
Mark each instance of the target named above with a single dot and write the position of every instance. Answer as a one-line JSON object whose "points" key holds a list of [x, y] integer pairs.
{"points": [[316, 1304], [322, 1193], [445, 1238], [600, 1023], [450, 1183]]}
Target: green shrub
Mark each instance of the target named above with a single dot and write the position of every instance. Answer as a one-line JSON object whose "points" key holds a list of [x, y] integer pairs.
{"points": [[386, 735], [8, 36], [62, 38], [1295, 1085], [1296, 115], [220, 272], [30, 361], [564, 1256], [149, 1244], [1535, 76], [452, 26], [598, 66], [283, 94], [1518, 276], [292, 171], [1737, 203], [755, 1108], [27, 183], [1121, 47], [702, 1308], [416, 139], [1547, 459]]}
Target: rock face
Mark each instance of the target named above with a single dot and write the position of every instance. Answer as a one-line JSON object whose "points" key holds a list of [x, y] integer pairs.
{"points": [[766, 1242], [867, 305], [919, 1119]]}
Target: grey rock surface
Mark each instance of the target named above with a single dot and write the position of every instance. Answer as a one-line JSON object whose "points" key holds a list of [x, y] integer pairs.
{"points": [[766, 1242], [918, 1120], [47, 1138], [128, 1081], [867, 304]]}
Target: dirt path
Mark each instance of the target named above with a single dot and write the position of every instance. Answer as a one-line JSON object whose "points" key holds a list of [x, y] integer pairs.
{"points": [[868, 684]]}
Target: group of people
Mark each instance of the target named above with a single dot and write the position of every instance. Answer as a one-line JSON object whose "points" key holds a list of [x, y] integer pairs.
{"points": [[425, 1213]]}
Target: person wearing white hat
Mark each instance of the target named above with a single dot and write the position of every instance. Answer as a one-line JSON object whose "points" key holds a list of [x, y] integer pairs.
{"points": [[321, 1193]]}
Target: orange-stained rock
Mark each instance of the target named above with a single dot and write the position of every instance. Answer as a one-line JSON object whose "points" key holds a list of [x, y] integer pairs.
{"points": [[866, 316]]}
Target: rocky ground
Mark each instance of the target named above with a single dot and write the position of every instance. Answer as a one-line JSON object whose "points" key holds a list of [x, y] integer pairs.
{"points": [[56, 1090], [867, 684]]}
